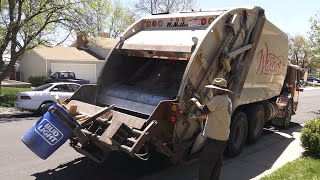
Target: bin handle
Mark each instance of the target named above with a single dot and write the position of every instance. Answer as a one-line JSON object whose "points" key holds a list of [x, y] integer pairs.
{"points": [[143, 156]]}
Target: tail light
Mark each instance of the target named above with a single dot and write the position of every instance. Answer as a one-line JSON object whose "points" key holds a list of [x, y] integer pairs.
{"points": [[25, 97], [175, 112]]}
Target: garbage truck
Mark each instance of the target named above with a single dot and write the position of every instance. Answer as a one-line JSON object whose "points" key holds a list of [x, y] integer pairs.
{"points": [[141, 102]]}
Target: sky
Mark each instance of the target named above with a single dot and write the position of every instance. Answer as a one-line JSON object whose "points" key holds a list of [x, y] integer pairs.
{"points": [[291, 17]]}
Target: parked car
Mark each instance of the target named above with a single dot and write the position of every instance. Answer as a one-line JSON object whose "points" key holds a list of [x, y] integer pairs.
{"points": [[65, 76], [313, 79], [45, 94]]}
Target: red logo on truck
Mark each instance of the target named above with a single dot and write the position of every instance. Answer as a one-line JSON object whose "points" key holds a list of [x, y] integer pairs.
{"points": [[269, 63]]}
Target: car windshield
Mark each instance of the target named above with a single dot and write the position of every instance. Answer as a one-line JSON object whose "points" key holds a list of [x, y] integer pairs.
{"points": [[43, 87], [67, 75]]}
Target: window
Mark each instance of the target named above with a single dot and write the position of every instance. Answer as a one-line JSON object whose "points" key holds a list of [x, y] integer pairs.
{"points": [[61, 88], [43, 87], [55, 75], [74, 87]]}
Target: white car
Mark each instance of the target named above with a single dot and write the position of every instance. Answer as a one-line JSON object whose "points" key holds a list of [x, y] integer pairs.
{"points": [[45, 94]]}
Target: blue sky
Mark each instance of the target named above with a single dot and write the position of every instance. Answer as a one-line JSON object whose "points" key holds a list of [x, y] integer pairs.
{"points": [[290, 16]]}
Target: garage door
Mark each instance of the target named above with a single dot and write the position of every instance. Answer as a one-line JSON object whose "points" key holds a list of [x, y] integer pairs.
{"points": [[82, 71]]}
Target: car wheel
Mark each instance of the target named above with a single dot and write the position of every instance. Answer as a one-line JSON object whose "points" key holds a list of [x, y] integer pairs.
{"points": [[44, 107]]}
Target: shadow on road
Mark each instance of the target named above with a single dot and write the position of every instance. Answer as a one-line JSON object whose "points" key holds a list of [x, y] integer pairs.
{"points": [[254, 160], [116, 167], [18, 117]]}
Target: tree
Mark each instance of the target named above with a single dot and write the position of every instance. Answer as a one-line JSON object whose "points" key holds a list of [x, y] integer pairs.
{"points": [[120, 19], [90, 17], [163, 6], [25, 24], [314, 36], [299, 51]]}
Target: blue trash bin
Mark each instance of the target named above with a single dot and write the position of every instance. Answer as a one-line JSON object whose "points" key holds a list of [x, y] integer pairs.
{"points": [[47, 134]]}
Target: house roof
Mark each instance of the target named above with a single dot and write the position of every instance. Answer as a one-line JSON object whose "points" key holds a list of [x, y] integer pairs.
{"points": [[63, 54], [107, 43]]}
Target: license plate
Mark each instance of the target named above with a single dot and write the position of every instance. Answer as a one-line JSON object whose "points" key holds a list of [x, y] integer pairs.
{"points": [[193, 23]]}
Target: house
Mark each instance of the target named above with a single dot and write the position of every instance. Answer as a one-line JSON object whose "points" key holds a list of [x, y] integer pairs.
{"points": [[43, 61]]}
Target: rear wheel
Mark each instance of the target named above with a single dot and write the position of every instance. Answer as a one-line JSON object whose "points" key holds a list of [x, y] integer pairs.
{"points": [[256, 119], [43, 107], [238, 134]]}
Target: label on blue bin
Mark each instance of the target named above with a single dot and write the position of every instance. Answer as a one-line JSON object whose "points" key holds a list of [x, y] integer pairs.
{"points": [[49, 132]]}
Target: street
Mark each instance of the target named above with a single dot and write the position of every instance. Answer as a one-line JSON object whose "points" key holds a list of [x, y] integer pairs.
{"points": [[18, 162]]}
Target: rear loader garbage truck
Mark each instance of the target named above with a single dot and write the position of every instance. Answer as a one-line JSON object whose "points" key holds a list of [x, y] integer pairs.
{"points": [[141, 102]]}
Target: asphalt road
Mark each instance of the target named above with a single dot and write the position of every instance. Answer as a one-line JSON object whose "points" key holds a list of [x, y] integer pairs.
{"points": [[18, 162]]}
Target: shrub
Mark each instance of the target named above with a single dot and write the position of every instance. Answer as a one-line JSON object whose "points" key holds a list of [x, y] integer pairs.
{"points": [[36, 80], [310, 136]]}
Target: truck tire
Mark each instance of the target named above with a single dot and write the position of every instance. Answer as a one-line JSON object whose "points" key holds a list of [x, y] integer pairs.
{"points": [[238, 134], [256, 119], [287, 117]]}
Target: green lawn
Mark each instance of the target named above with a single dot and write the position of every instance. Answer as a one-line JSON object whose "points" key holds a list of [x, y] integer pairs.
{"points": [[301, 169], [9, 95]]}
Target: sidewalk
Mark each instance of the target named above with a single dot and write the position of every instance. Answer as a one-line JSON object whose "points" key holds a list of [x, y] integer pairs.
{"points": [[273, 150], [279, 149]]}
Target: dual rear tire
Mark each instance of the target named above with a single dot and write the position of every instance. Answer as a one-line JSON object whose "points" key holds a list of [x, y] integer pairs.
{"points": [[245, 128]]}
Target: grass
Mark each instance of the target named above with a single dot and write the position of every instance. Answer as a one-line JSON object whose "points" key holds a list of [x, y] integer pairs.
{"points": [[301, 169], [9, 95]]}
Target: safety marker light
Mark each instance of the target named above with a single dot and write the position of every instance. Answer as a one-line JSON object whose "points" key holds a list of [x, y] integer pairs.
{"points": [[210, 20], [203, 21], [148, 23], [154, 23], [160, 23]]}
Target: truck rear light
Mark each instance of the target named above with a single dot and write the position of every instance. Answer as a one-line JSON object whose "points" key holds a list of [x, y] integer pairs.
{"points": [[25, 97], [183, 19], [154, 23], [160, 23], [174, 108], [203, 21], [144, 21], [173, 119], [210, 20], [177, 19], [148, 23]]}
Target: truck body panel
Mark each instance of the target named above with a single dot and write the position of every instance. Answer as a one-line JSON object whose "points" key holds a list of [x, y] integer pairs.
{"points": [[162, 61]]}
